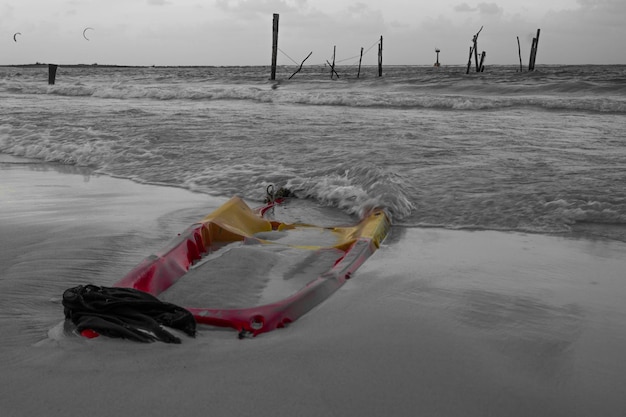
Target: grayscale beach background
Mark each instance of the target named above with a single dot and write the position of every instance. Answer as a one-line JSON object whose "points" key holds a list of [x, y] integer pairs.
{"points": [[500, 290]]}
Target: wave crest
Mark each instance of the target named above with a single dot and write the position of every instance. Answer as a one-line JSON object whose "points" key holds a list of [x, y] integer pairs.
{"points": [[357, 189]]}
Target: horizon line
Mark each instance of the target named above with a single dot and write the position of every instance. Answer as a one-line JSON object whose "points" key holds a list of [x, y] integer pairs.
{"points": [[41, 64]]}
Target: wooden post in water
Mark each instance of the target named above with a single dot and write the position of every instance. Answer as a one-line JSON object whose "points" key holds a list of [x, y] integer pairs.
{"points": [[482, 61], [476, 49], [476, 52], [469, 61], [380, 57], [536, 47], [332, 66], [533, 52], [52, 73], [519, 51], [332, 69], [360, 59], [274, 46], [301, 64]]}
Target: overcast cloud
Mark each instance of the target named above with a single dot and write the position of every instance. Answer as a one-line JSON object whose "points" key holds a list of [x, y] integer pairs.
{"points": [[226, 32]]}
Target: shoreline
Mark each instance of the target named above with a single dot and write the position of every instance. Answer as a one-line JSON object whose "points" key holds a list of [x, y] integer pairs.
{"points": [[458, 65], [454, 323]]}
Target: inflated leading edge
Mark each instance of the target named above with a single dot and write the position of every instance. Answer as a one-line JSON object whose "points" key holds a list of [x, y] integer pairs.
{"points": [[235, 221]]}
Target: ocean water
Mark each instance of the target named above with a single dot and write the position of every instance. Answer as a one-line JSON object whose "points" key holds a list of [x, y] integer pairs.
{"points": [[450, 317], [541, 151]]}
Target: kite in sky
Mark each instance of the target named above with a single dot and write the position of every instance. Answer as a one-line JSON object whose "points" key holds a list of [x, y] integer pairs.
{"points": [[15, 36], [85, 36]]}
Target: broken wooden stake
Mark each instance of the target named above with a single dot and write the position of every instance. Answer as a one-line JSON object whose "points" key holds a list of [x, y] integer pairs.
{"points": [[274, 46], [469, 62], [474, 50], [533, 52], [380, 57], [332, 69], [519, 51], [52, 73], [360, 59], [301, 64]]}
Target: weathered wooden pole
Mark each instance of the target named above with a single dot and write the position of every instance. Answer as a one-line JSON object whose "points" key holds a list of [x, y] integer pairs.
{"points": [[301, 64], [52, 73], [332, 67], [360, 59], [274, 45], [536, 48], [380, 57], [482, 61], [519, 51], [469, 61], [476, 52], [530, 58], [533, 52]]}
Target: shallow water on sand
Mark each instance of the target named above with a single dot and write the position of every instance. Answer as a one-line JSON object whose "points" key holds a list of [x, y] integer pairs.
{"points": [[446, 322]]}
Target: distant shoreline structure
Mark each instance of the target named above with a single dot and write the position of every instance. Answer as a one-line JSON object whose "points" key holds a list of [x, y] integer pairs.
{"points": [[42, 65]]}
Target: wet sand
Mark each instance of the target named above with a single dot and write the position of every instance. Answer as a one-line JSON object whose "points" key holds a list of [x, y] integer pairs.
{"points": [[436, 323]]}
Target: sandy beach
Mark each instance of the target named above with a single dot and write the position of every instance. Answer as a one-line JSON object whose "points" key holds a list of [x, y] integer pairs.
{"points": [[437, 323]]}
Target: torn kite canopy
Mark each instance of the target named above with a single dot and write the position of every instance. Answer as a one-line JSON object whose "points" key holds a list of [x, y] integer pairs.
{"points": [[125, 313]]}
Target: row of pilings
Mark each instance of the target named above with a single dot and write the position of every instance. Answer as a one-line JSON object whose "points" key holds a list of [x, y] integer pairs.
{"points": [[473, 55], [333, 72]]}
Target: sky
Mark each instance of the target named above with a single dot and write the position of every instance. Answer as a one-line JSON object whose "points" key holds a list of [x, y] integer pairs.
{"points": [[239, 32]]}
